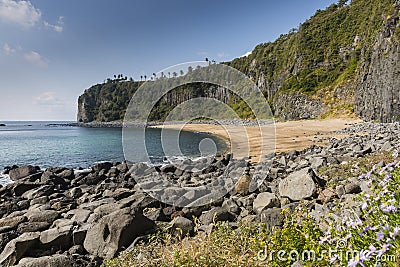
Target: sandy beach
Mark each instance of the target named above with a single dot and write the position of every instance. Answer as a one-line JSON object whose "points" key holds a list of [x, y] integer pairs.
{"points": [[281, 137]]}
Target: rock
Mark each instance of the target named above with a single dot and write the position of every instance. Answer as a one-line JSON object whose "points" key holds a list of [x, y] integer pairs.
{"points": [[57, 238], [243, 185], [47, 261], [317, 162], [340, 190], [265, 201], [299, 185], [28, 227], [20, 187], [352, 188], [21, 172], [102, 166], [231, 206], [45, 190], [12, 222], [115, 231], [180, 226], [215, 215], [17, 248], [42, 216], [75, 192], [327, 195], [272, 218]]}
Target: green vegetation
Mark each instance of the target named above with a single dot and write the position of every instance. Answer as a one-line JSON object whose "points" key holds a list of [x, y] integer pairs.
{"points": [[369, 238], [324, 51]]}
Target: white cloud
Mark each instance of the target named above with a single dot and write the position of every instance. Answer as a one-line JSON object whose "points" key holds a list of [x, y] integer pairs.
{"points": [[8, 50], [48, 99], [58, 27], [35, 58], [22, 13]]}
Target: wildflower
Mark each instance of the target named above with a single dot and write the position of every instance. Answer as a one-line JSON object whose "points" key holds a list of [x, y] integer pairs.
{"points": [[364, 206], [395, 232], [334, 259], [388, 208], [383, 250], [379, 236], [368, 176], [354, 262], [325, 239]]}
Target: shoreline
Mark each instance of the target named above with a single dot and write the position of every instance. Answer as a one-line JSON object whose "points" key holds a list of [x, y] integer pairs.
{"points": [[58, 209]]}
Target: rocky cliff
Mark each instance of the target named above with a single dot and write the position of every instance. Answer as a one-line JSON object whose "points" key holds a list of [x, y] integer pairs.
{"points": [[378, 92], [342, 61]]}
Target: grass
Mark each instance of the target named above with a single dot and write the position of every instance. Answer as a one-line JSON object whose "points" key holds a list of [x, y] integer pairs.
{"points": [[369, 237]]}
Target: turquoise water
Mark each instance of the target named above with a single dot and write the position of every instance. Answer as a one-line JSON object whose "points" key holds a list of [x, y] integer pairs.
{"points": [[40, 144]]}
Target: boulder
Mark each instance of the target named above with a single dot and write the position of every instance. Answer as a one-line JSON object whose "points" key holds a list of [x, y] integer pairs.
{"points": [[12, 222], [115, 231], [352, 188], [181, 226], [265, 201], [17, 248], [21, 172], [42, 216], [327, 195], [215, 215], [47, 261], [272, 218], [243, 185], [28, 227], [57, 238], [299, 185], [45, 190]]}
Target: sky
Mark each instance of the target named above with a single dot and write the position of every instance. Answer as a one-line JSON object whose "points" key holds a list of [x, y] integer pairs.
{"points": [[51, 51]]}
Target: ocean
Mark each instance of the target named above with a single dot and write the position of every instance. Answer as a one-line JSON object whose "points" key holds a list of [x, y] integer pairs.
{"points": [[54, 143]]}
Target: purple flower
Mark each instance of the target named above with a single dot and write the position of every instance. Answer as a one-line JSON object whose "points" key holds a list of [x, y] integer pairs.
{"points": [[395, 232], [383, 250], [388, 208], [379, 236], [354, 262]]}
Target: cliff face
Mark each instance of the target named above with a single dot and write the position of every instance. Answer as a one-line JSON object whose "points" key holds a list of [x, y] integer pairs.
{"points": [[342, 60], [378, 92]]}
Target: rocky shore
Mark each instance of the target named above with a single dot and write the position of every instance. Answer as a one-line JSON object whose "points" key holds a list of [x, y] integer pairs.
{"points": [[61, 217]]}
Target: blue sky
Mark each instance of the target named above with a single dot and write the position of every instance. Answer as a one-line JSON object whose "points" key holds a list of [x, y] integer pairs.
{"points": [[50, 51]]}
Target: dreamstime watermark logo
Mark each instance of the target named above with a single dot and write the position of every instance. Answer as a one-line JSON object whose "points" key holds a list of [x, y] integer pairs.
{"points": [[216, 78], [340, 254]]}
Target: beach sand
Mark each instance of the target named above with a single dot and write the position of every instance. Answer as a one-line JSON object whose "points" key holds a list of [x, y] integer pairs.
{"points": [[280, 137]]}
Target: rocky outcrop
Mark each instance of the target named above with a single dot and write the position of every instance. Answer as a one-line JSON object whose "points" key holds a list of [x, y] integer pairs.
{"points": [[377, 95], [293, 106], [95, 214]]}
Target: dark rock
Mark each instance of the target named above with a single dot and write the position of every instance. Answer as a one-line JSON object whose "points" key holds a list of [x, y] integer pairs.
{"points": [[21, 172], [44, 190], [215, 215], [102, 166], [20, 188], [181, 226], [352, 188]]}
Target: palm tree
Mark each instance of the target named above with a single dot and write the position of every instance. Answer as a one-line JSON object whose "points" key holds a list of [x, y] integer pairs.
{"points": [[162, 74], [181, 72], [141, 77], [174, 74], [169, 74], [115, 76], [145, 77]]}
